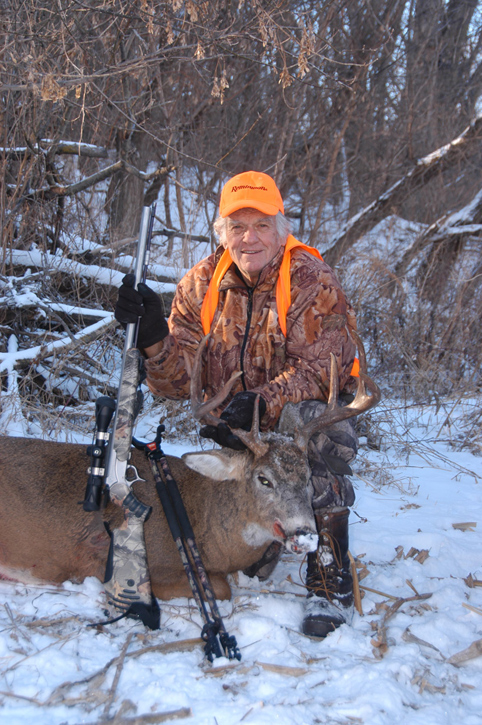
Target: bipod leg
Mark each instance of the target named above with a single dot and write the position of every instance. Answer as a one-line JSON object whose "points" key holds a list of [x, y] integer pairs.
{"points": [[209, 633], [228, 642], [182, 528]]}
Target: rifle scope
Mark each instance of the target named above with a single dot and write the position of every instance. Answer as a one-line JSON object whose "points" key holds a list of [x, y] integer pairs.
{"points": [[104, 410]]}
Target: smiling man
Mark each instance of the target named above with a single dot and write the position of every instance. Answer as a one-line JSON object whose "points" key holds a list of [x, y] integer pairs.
{"points": [[275, 312], [253, 240]]}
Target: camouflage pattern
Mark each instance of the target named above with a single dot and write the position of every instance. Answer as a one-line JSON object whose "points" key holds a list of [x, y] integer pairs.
{"points": [[128, 579], [294, 368], [337, 442], [128, 404]]}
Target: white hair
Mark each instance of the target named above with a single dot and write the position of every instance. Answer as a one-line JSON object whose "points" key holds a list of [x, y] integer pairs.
{"points": [[283, 228]]}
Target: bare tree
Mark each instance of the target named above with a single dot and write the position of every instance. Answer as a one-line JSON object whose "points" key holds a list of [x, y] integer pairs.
{"points": [[109, 104]]}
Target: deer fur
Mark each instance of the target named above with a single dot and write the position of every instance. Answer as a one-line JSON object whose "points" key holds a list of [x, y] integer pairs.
{"points": [[46, 536]]}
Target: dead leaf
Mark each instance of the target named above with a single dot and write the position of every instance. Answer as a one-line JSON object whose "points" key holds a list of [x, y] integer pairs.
{"points": [[412, 551], [422, 556], [475, 650], [362, 569], [408, 636], [50, 90], [465, 526], [379, 643], [424, 684]]}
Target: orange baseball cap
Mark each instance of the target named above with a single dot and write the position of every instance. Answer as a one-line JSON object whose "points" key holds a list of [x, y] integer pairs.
{"points": [[251, 189]]}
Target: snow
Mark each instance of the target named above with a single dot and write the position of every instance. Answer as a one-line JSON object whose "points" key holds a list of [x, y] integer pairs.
{"points": [[390, 666], [101, 275], [8, 359]]}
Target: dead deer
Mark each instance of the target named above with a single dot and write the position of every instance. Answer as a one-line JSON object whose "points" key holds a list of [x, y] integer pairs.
{"points": [[238, 501]]}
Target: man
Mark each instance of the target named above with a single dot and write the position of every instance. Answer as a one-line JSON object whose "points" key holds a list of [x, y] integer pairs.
{"points": [[275, 312]]}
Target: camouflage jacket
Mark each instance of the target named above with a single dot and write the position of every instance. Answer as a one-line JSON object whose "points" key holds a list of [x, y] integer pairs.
{"points": [[245, 335]]}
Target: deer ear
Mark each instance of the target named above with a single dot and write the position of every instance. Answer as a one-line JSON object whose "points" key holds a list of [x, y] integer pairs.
{"points": [[218, 465]]}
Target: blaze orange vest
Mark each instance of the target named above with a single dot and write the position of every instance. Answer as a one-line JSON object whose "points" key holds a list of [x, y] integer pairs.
{"points": [[283, 288]]}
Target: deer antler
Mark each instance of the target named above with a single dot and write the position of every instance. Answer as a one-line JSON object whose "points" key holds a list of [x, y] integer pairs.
{"points": [[202, 409], [251, 439], [334, 413]]}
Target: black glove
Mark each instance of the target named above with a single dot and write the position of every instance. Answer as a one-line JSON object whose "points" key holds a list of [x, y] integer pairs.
{"points": [[238, 414], [146, 304], [223, 436]]}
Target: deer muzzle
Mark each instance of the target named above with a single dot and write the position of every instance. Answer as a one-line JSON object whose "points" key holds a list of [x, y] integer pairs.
{"points": [[302, 542]]}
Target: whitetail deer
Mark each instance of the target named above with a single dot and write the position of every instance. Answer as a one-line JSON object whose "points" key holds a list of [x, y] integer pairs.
{"points": [[238, 501]]}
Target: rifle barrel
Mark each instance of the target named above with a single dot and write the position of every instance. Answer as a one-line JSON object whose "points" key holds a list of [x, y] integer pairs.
{"points": [[121, 437]]}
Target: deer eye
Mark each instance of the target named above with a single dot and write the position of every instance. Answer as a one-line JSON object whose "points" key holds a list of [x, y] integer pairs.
{"points": [[264, 481]]}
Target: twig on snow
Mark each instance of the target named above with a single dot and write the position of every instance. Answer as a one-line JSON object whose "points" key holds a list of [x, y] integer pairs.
{"points": [[148, 719], [356, 585], [117, 675]]}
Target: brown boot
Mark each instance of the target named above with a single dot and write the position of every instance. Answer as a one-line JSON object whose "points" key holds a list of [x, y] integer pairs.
{"points": [[328, 578]]}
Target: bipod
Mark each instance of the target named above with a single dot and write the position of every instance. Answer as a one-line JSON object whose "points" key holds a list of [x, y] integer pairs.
{"points": [[218, 642]]}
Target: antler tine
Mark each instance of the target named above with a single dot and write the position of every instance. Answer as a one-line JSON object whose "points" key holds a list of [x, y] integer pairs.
{"points": [[334, 384], [333, 413], [362, 400], [202, 409], [361, 350], [252, 439]]}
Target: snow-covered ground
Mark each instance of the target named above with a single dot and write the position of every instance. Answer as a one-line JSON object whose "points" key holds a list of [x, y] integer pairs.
{"points": [[416, 531]]}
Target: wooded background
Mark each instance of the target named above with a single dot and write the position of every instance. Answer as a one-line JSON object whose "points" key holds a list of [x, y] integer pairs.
{"points": [[362, 110]]}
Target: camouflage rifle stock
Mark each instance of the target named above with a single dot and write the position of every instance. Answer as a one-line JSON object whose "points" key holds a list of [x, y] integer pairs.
{"points": [[127, 582]]}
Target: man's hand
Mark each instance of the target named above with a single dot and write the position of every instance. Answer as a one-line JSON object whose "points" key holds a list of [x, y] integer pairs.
{"points": [[145, 304], [238, 414], [222, 435]]}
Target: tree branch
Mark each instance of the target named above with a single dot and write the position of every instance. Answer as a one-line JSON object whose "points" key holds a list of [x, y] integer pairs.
{"points": [[52, 192], [11, 360], [60, 147], [463, 223], [51, 263], [424, 170]]}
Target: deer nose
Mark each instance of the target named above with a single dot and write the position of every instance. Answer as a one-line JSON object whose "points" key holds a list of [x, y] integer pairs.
{"points": [[303, 541]]}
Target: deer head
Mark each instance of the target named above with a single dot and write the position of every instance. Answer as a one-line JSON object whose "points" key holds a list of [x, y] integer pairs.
{"points": [[275, 463]]}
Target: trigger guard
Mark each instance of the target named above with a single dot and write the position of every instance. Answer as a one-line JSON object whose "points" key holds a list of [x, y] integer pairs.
{"points": [[130, 481]]}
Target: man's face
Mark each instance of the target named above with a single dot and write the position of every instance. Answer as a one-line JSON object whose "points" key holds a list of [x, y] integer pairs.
{"points": [[252, 240]]}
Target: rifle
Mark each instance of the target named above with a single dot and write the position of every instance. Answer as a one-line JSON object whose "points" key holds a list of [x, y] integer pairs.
{"points": [[127, 582], [129, 398]]}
